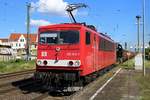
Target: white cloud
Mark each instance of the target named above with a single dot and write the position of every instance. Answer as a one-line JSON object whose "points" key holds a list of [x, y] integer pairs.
{"points": [[39, 22], [53, 7]]}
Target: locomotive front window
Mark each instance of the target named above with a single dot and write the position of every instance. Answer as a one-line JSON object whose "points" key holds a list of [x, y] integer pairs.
{"points": [[59, 37]]}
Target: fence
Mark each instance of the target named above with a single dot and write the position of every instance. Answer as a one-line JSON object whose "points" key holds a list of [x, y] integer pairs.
{"points": [[6, 53], [7, 57]]}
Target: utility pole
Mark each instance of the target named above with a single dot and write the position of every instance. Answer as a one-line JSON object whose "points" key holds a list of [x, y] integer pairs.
{"points": [[138, 33], [125, 45], [28, 31], [143, 51]]}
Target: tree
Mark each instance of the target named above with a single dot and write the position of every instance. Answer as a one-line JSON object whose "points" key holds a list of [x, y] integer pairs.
{"points": [[147, 53]]}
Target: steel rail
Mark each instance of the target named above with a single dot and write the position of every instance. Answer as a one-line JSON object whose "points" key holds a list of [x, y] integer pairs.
{"points": [[16, 73]]}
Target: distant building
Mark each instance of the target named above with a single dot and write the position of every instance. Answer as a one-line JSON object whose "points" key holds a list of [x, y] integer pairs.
{"points": [[18, 43], [4, 41], [18, 40], [6, 52]]}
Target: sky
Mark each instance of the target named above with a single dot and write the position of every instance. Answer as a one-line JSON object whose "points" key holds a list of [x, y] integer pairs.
{"points": [[117, 18]]}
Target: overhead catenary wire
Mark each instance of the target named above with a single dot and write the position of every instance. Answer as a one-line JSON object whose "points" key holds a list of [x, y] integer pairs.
{"points": [[71, 7]]}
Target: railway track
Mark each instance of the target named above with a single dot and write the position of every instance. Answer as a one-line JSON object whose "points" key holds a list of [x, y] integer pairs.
{"points": [[28, 88], [13, 86], [24, 86], [16, 73], [12, 81]]}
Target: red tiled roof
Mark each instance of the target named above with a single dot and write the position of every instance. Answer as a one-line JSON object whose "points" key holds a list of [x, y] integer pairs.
{"points": [[32, 37], [16, 36]]}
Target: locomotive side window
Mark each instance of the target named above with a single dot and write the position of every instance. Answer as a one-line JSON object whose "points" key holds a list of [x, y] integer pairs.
{"points": [[105, 45], [59, 37], [88, 39], [109, 46], [101, 44]]}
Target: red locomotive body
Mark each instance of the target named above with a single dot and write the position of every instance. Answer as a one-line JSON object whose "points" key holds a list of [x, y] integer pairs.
{"points": [[75, 49]]}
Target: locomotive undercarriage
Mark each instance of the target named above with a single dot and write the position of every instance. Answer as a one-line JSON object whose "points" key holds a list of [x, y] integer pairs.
{"points": [[59, 80], [62, 81]]}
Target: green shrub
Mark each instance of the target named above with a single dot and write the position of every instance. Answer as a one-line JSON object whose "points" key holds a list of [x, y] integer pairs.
{"points": [[147, 53], [16, 65]]}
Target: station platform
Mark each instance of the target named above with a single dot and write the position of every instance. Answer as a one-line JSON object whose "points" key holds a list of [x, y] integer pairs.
{"points": [[122, 86]]}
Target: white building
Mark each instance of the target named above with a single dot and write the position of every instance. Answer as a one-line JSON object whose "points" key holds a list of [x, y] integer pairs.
{"points": [[18, 43], [18, 40], [4, 41]]}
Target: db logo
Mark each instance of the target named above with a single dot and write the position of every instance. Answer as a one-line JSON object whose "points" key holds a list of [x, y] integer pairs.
{"points": [[57, 49]]}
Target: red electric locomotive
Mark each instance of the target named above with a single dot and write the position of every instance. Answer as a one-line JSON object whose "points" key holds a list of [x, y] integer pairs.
{"points": [[68, 53]]}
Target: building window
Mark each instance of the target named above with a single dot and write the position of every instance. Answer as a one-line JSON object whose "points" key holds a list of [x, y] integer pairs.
{"points": [[35, 46], [21, 40], [88, 40], [16, 44], [19, 45]]}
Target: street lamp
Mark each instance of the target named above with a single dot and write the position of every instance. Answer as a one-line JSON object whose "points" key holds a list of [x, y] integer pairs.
{"points": [[138, 32], [140, 59]]}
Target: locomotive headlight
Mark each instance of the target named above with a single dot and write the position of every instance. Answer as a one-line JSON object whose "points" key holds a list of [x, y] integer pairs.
{"points": [[70, 63], [77, 63], [45, 62], [39, 62]]}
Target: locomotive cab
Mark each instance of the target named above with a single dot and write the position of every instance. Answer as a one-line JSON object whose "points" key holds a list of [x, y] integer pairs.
{"points": [[59, 51], [58, 47], [71, 52]]}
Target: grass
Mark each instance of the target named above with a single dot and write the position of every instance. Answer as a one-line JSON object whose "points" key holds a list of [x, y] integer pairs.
{"points": [[143, 82], [147, 63], [16, 65], [130, 64], [144, 86]]}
